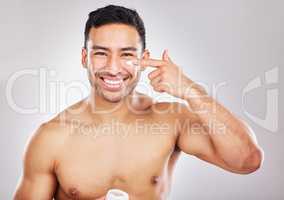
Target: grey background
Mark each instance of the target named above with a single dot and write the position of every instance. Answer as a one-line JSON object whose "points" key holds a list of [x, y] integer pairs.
{"points": [[213, 41]]}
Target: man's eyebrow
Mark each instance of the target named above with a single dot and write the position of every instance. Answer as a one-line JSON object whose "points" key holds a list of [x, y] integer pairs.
{"points": [[130, 48], [96, 47]]}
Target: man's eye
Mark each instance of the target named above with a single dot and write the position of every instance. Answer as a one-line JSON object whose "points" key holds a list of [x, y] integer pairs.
{"points": [[100, 53]]}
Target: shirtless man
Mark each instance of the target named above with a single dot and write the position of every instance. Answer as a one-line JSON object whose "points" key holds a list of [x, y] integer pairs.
{"points": [[118, 138]]}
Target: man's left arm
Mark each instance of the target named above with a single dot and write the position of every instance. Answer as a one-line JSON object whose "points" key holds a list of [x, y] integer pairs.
{"points": [[213, 134]]}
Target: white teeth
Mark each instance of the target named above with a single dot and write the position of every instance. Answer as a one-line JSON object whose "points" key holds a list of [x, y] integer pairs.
{"points": [[113, 83]]}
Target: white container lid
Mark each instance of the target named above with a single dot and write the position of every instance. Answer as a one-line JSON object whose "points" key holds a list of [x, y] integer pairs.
{"points": [[116, 194]]}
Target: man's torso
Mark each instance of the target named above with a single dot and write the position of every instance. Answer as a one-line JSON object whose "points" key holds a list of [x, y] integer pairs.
{"points": [[136, 155]]}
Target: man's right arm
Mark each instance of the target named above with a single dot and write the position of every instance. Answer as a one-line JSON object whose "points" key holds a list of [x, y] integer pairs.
{"points": [[38, 181]]}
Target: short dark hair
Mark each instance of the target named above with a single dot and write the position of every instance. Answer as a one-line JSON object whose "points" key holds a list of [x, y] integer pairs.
{"points": [[113, 14]]}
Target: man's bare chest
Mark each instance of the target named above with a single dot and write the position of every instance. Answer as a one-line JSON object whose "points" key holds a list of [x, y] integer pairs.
{"points": [[95, 159]]}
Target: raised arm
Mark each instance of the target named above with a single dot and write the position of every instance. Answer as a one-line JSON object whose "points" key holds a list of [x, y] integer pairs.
{"points": [[38, 181], [222, 140], [214, 134]]}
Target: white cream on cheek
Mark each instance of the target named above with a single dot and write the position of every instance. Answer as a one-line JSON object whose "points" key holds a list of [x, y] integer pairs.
{"points": [[133, 67]]}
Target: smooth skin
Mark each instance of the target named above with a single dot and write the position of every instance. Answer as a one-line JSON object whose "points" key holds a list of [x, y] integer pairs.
{"points": [[74, 155]]}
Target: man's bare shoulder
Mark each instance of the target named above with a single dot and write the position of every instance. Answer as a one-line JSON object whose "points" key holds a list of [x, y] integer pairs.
{"points": [[48, 135], [54, 131], [48, 139], [43, 147], [174, 111], [170, 107]]}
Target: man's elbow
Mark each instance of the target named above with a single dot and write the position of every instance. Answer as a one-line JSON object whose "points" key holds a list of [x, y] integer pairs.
{"points": [[253, 161]]}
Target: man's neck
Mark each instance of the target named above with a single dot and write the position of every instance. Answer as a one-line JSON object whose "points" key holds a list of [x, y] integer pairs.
{"points": [[100, 106]]}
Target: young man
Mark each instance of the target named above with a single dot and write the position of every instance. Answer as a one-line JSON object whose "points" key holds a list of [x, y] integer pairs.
{"points": [[118, 138]]}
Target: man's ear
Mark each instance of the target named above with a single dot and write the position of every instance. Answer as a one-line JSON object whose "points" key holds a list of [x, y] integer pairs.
{"points": [[145, 55], [84, 57]]}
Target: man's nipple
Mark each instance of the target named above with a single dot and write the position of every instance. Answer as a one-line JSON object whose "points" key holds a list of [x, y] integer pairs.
{"points": [[74, 193]]}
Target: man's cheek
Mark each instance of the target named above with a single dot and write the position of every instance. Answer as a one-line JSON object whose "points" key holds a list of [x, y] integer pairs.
{"points": [[133, 70], [95, 68], [98, 64]]}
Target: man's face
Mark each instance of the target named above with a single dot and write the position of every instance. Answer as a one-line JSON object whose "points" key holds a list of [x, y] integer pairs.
{"points": [[108, 49]]}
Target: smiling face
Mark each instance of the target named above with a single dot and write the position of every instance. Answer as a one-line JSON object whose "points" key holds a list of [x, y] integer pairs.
{"points": [[108, 49]]}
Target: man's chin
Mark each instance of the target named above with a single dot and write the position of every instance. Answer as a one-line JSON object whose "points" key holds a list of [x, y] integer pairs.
{"points": [[113, 98]]}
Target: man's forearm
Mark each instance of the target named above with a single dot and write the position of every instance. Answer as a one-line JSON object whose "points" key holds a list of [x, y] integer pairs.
{"points": [[231, 137]]}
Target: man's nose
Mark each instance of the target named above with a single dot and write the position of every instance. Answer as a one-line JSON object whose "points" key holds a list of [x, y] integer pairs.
{"points": [[113, 64]]}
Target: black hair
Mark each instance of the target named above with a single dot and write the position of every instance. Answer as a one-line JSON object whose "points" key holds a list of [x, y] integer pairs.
{"points": [[113, 14]]}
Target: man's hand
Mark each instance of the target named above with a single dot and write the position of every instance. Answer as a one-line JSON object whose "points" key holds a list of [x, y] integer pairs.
{"points": [[167, 77]]}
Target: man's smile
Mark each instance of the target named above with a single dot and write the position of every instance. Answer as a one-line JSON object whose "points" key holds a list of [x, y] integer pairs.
{"points": [[112, 83]]}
